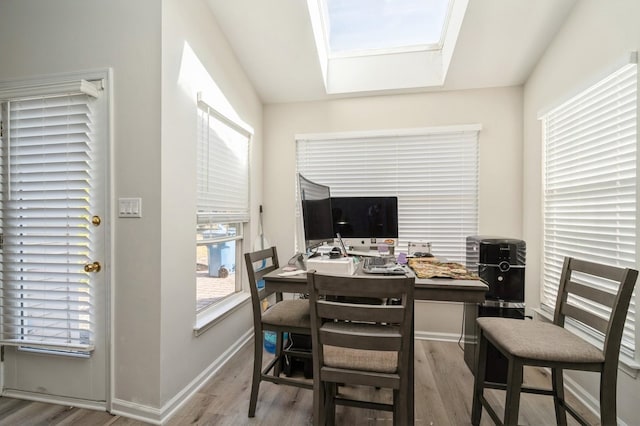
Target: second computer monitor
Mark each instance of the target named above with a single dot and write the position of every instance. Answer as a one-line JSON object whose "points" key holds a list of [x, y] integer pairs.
{"points": [[316, 212]]}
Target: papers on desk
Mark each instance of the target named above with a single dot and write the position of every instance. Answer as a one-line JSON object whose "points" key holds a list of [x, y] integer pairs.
{"points": [[290, 273], [428, 268]]}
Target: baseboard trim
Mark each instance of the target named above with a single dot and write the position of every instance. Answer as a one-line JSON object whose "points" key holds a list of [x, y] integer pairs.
{"points": [[440, 337], [58, 400], [159, 416], [131, 410]]}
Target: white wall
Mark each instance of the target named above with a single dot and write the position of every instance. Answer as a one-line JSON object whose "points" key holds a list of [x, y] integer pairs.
{"points": [[594, 39], [499, 111], [195, 57]]}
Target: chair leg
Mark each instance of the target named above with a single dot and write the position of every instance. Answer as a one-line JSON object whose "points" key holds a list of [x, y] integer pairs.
{"points": [[257, 372], [478, 383], [400, 407], [514, 386], [277, 369], [330, 403], [319, 397], [396, 408], [608, 378], [557, 382]]}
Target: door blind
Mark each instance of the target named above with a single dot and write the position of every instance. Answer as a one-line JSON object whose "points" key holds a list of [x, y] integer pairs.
{"points": [[433, 172], [590, 186], [46, 218]]}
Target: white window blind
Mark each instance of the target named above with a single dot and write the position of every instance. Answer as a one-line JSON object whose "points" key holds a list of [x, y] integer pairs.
{"points": [[433, 172], [590, 186], [223, 169], [46, 163]]}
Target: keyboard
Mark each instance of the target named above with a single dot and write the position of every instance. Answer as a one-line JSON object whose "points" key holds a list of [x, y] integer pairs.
{"points": [[382, 265], [378, 261]]}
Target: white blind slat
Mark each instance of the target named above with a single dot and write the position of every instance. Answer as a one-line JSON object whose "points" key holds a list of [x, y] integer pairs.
{"points": [[222, 169], [590, 187]]}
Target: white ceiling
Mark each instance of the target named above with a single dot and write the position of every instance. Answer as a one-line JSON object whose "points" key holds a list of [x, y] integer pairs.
{"points": [[499, 44]]}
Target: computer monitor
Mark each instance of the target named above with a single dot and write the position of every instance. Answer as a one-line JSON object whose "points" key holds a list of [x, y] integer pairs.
{"points": [[366, 222], [316, 212]]}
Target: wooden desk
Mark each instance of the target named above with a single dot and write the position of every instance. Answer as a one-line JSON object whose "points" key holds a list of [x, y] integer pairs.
{"points": [[439, 289]]}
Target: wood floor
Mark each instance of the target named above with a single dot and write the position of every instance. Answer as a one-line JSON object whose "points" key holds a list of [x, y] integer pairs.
{"points": [[442, 397]]}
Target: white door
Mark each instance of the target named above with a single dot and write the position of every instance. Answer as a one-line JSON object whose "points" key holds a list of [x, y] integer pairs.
{"points": [[53, 218]]}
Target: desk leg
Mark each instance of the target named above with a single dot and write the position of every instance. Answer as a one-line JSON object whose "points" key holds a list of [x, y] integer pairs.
{"points": [[470, 334], [412, 389], [277, 369]]}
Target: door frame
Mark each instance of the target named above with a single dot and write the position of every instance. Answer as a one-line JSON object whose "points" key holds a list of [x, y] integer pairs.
{"points": [[106, 75]]}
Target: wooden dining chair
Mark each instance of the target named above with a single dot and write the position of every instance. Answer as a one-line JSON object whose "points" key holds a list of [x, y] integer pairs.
{"points": [[360, 344], [283, 316], [551, 345]]}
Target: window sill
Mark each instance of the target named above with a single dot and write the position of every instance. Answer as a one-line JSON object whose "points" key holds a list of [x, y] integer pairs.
{"points": [[627, 364], [216, 313]]}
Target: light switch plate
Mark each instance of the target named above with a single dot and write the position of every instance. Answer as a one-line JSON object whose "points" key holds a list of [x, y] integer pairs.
{"points": [[130, 207]]}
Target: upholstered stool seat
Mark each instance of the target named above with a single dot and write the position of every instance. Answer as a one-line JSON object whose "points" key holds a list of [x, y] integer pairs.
{"points": [[288, 313], [361, 359], [541, 341]]}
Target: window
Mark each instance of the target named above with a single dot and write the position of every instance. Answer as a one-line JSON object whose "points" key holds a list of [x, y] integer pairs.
{"points": [[590, 185], [382, 24], [222, 204], [433, 172], [49, 146]]}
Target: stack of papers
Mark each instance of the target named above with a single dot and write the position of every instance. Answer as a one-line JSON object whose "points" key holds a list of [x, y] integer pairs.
{"points": [[290, 273]]}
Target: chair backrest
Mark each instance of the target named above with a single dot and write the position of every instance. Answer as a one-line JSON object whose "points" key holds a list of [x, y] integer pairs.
{"points": [[388, 325], [575, 285], [259, 263]]}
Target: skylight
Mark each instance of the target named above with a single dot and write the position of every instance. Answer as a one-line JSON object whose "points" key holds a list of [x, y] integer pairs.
{"points": [[374, 45], [356, 25]]}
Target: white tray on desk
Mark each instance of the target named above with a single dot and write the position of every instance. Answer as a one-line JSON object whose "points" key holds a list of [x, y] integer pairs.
{"points": [[326, 265]]}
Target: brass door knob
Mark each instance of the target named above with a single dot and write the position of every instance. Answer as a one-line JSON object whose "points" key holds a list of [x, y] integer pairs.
{"points": [[92, 267]]}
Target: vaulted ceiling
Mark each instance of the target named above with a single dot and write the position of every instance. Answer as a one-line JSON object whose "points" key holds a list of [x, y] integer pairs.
{"points": [[499, 44]]}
